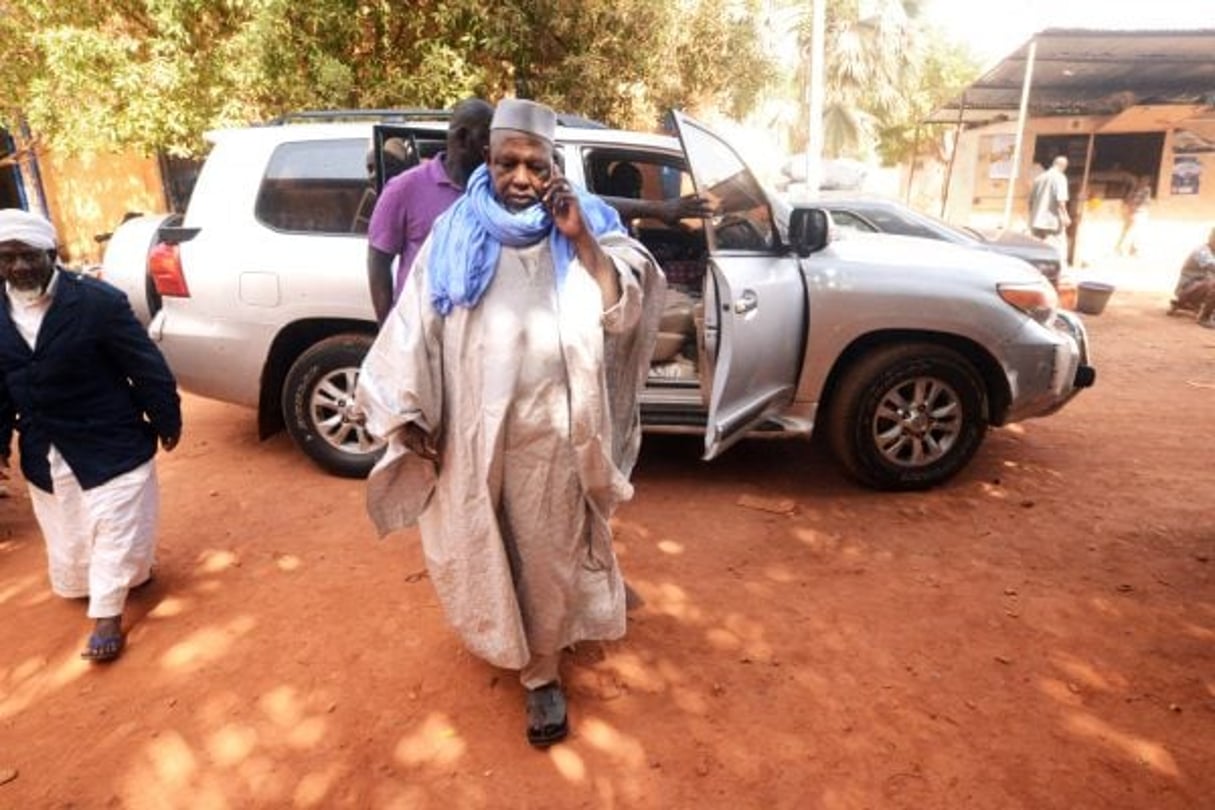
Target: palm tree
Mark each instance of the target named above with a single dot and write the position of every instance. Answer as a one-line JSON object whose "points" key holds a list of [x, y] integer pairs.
{"points": [[872, 53]]}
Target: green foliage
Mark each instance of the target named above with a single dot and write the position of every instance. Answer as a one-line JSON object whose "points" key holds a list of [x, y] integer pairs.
{"points": [[946, 68], [156, 74]]}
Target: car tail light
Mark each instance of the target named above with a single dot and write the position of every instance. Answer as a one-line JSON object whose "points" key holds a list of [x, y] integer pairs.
{"points": [[1038, 300], [164, 265]]}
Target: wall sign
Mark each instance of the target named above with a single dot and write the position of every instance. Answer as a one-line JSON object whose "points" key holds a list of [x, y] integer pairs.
{"points": [[1187, 174]]}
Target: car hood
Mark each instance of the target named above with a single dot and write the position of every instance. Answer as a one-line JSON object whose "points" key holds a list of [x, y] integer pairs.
{"points": [[931, 255], [1023, 244]]}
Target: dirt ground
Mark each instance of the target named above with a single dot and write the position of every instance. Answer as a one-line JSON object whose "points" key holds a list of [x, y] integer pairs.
{"points": [[1038, 634]]}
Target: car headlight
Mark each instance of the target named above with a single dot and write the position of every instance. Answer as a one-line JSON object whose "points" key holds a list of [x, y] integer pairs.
{"points": [[1036, 299]]}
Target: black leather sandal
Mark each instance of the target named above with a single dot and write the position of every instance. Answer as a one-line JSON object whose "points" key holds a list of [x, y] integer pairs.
{"points": [[546, 718]]}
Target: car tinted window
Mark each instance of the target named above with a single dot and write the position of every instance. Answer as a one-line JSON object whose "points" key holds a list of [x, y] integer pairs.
{"points": [[635, 175], [743, 219], [890, 222], [316, 187]]}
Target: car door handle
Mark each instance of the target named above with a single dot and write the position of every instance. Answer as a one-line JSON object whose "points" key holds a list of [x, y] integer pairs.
{"points": [[746, 302]]}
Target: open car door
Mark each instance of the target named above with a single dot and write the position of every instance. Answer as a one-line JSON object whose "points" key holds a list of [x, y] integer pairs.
{"points": [[395, 148], [411, 146], [754, 296]]}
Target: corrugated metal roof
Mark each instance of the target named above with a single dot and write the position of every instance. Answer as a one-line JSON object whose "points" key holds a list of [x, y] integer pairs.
{"points": [[1091, 72]]}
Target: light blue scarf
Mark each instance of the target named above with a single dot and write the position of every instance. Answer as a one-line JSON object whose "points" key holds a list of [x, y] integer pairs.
{"points": [[467, 239]]}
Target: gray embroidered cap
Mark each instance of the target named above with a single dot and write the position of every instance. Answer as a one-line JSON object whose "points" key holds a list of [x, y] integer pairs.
{"points": [[525, 116]]}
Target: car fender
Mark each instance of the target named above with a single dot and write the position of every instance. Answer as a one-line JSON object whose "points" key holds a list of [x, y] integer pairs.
{"points": [[863, 289]]}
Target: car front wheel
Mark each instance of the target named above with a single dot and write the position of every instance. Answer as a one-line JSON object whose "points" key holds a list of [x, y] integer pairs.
{"points": [[318, 406], [907, 417]]}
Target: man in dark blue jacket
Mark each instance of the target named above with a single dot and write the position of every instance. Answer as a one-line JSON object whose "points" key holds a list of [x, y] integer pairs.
{"points": [[90, 395]]}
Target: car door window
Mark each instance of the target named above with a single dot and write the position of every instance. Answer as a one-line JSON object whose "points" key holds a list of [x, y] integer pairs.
{"points": [[636, 175], [314, 186], [742, 215], [850, 221]]}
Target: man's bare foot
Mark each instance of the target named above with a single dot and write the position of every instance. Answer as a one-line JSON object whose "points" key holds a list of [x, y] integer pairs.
{"points": [[106, 641]]}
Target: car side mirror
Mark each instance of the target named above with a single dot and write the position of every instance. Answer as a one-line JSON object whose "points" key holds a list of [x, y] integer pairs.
{"points": [[809, 230]]}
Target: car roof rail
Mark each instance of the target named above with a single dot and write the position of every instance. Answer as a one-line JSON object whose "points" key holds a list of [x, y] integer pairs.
{"points": [[579, 122], [388, 115], [403, 115]]}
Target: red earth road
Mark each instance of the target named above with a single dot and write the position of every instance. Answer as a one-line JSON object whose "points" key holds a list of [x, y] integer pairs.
{"points": [[1038, 634]]}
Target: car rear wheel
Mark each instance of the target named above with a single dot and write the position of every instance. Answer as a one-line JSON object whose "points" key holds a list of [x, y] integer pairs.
{"points": [[318, 406], [907, 417]]}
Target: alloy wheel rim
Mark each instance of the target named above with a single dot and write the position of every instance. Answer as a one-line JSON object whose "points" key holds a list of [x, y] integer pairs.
{"points": [[335, 416], [917, 422]]}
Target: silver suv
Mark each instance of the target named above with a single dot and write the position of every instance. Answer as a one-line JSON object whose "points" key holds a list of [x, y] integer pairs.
{"points": [[902, 351]]}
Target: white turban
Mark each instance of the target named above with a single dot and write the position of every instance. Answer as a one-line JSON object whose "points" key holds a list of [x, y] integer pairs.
{"points": [[34, 230]]}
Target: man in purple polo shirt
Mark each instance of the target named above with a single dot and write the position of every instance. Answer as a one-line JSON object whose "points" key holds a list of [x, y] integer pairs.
{"points": [[411, 202]]}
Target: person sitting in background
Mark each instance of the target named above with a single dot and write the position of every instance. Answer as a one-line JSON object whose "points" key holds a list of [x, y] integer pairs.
{"points": [[1196, 284]]}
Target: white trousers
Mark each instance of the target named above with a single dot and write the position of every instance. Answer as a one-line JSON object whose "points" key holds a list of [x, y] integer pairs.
{"points": [[100, 542]]}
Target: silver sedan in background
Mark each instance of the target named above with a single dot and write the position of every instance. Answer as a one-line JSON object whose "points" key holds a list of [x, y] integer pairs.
{"points": [[879, 215]]}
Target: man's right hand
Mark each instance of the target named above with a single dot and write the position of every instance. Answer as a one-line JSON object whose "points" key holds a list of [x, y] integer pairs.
{"points": [[420, 442]]}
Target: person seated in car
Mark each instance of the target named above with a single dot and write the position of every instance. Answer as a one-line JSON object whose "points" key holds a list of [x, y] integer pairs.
{"points": [[624, 180], [623, 191]]}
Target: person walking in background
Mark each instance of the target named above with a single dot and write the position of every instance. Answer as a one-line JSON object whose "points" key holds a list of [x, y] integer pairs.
{"points": [[90, 395], [1134, 217], [1196, 284], [1048, 217], [410, 203], [506, 381]]}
